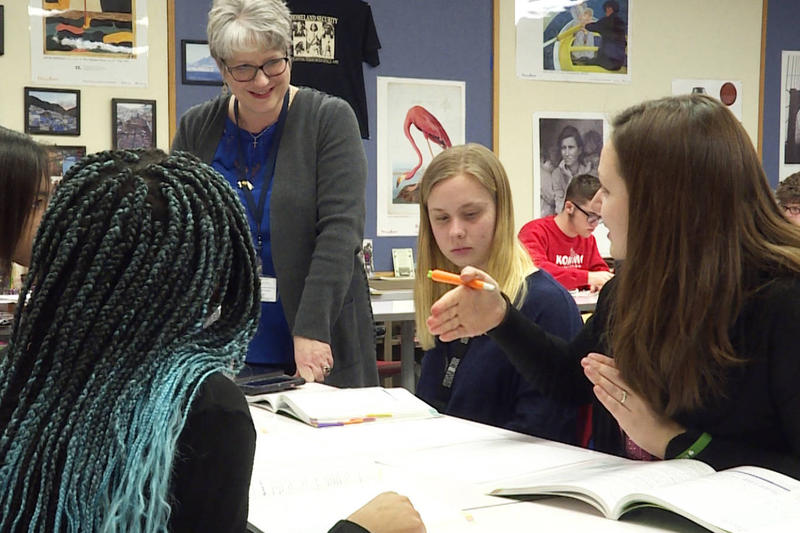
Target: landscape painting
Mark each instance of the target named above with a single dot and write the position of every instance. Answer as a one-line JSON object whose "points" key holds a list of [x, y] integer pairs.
{"points": [[52, 111], [199, 68], [133, 123]]}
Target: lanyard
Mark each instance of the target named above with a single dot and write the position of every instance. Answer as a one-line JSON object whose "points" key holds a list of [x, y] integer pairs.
{"points": [[257, 211]]}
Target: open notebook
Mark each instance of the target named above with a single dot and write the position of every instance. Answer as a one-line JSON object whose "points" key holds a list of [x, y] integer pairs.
{"points": [[321, 406]]}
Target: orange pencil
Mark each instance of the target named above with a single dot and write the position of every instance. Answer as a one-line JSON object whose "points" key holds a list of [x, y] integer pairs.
{"points": [[453, 279]]}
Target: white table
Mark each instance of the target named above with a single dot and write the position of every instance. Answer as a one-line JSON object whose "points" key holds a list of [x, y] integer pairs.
{"points": [[402, 310], [305, 478]]}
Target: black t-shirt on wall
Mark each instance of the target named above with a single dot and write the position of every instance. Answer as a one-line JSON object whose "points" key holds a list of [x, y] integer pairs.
{"points": [[331, 40]]}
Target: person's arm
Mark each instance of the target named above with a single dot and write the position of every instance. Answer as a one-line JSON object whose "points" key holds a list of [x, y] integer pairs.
{"points": [[536, 242], [341, 185], [213, 461]]}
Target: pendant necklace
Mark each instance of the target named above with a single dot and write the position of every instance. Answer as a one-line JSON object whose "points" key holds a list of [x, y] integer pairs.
{"points": [[255, 137]]}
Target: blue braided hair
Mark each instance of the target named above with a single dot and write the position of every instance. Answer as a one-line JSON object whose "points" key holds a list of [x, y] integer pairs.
{"points": [[136, 250]]}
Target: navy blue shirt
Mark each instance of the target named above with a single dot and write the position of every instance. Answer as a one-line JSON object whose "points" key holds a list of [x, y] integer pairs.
{"points": [[273, 343], [485, 385]]}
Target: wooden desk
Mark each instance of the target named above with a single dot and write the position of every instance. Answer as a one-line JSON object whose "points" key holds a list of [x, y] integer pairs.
{"points": [[305, 478]]}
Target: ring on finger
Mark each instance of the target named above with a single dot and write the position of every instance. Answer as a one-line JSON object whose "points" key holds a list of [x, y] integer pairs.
{"points": [[624, 397]]}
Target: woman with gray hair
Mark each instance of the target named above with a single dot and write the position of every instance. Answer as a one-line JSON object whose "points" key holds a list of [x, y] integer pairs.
{"points": [[296, 159]]}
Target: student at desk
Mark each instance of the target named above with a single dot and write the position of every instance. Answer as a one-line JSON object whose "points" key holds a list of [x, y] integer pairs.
{"points": [[467, 218], [115, 410], [703, 330], [563, 244]]}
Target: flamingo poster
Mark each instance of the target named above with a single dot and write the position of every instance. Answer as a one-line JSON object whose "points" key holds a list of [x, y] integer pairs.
{"points": [[417, 119], [89, 42]]}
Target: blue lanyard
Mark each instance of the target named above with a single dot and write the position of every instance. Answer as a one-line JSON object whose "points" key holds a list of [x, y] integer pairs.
{"points": [[257, 211]]}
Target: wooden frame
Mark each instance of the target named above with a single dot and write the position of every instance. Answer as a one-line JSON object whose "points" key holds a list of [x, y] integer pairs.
{"points": [[197, 65], [52, 111], [133, 123], [2, 30]]}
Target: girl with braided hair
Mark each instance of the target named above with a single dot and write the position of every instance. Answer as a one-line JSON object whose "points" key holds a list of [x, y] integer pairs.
{"points": [[24, 193], [115, 410]]}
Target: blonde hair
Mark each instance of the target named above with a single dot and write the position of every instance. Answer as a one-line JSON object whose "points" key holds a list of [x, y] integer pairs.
{"points": [[509, 263]]}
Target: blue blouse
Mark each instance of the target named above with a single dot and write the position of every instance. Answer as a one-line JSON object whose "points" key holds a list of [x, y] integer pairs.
{"points": [[273, 343]]}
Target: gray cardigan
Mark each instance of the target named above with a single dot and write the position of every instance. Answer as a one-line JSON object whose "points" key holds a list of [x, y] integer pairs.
{"points": [[317, 212]]}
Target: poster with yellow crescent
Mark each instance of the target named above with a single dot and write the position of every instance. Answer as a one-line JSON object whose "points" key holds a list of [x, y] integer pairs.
{"points": [[89, 42]]}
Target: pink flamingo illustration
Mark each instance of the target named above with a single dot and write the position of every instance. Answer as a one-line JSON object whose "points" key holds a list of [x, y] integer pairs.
{"points": [[431, 129]]}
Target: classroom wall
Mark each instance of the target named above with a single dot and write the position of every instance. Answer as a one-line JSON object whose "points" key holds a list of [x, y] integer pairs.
{"points": [[712, 39], [95, 101]]}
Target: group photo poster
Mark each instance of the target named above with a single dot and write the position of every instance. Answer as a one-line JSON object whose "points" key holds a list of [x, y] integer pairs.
{"points": [[789, 162], [417, 119], [86, 42], [588, 41]]}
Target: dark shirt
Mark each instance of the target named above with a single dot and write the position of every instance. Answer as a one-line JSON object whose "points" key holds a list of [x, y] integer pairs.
{"points": [[214, 460], [611, 54], [756, 423], [486, 387]]}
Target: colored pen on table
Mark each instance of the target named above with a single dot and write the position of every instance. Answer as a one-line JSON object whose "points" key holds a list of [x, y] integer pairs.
{"points": [[453, 279]]}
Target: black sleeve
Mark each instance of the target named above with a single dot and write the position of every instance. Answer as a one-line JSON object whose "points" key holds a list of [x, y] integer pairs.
{"points": [[214, 461], [346, 526], [548, 362]]}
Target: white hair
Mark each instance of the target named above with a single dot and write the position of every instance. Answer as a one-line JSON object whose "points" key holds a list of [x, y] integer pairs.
{"points": [[248, 25]]}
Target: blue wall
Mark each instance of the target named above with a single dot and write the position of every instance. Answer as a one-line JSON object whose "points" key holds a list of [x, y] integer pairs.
{"points": [[436, 39], [782, 34]]}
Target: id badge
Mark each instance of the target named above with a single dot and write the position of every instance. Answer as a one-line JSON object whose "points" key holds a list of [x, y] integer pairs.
{"points": [[269, 289]]}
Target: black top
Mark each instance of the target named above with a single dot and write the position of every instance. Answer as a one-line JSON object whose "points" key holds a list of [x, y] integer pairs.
{"points": [[331, 40], [757, 423], [214, 461]]}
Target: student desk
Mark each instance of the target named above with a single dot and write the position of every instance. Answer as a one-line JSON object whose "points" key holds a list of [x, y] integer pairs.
{"points": [[305, 478]]}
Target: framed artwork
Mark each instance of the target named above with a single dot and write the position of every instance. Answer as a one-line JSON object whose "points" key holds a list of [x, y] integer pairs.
{"points": [[62, 157], [789, 162], [197, 65], [586, 41], [133, 123], [52, 111], [417, 119]]}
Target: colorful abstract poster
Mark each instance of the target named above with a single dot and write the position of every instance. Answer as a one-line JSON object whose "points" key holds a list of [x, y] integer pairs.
{"points": [[417, 119], [89, 42], [587, 41]]}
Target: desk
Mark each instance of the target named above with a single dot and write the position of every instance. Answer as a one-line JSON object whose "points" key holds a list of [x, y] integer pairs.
{"points": [[385, 310], [305, 478]]}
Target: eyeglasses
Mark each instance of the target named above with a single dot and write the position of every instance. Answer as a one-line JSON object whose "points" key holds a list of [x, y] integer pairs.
{"points": [[793, 210], [272, 68], [591, 218]]}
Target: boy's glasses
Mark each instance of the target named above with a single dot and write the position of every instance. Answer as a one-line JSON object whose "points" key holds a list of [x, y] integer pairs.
{"points": [[591, 218]]}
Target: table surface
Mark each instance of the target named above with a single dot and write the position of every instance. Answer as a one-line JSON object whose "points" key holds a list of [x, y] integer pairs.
{"points": [[305, 478]]}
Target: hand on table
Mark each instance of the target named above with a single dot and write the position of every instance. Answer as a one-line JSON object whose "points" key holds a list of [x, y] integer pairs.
{"points": [[467, 312], [649, 430], [313, 358], [598, 278], [388, 512]]}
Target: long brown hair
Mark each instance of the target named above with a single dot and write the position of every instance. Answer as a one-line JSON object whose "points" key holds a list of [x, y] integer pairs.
{"points": [[704, 232], [509, 263]]}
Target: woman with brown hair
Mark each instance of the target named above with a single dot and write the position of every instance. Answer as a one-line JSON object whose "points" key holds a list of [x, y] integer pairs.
{"points": [[701, 318]]}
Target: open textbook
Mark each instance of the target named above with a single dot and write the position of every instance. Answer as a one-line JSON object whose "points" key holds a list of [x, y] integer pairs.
{"points": [[328, 406], [745, 499]]}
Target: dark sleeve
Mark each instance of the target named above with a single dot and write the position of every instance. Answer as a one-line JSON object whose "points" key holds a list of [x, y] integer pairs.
{"points": [[548, 362], [371, 43], [346, 526], [776, 323], [214, 460], [341, 185]]}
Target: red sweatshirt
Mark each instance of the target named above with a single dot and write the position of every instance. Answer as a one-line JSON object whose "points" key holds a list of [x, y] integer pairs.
{"points": [[568, 259]]}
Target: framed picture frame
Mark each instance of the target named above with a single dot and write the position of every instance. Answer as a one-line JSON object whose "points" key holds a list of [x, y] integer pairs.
{"points": [[64, 156], [52, 111], [2, 31], [133, 123], [197, 65]]}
